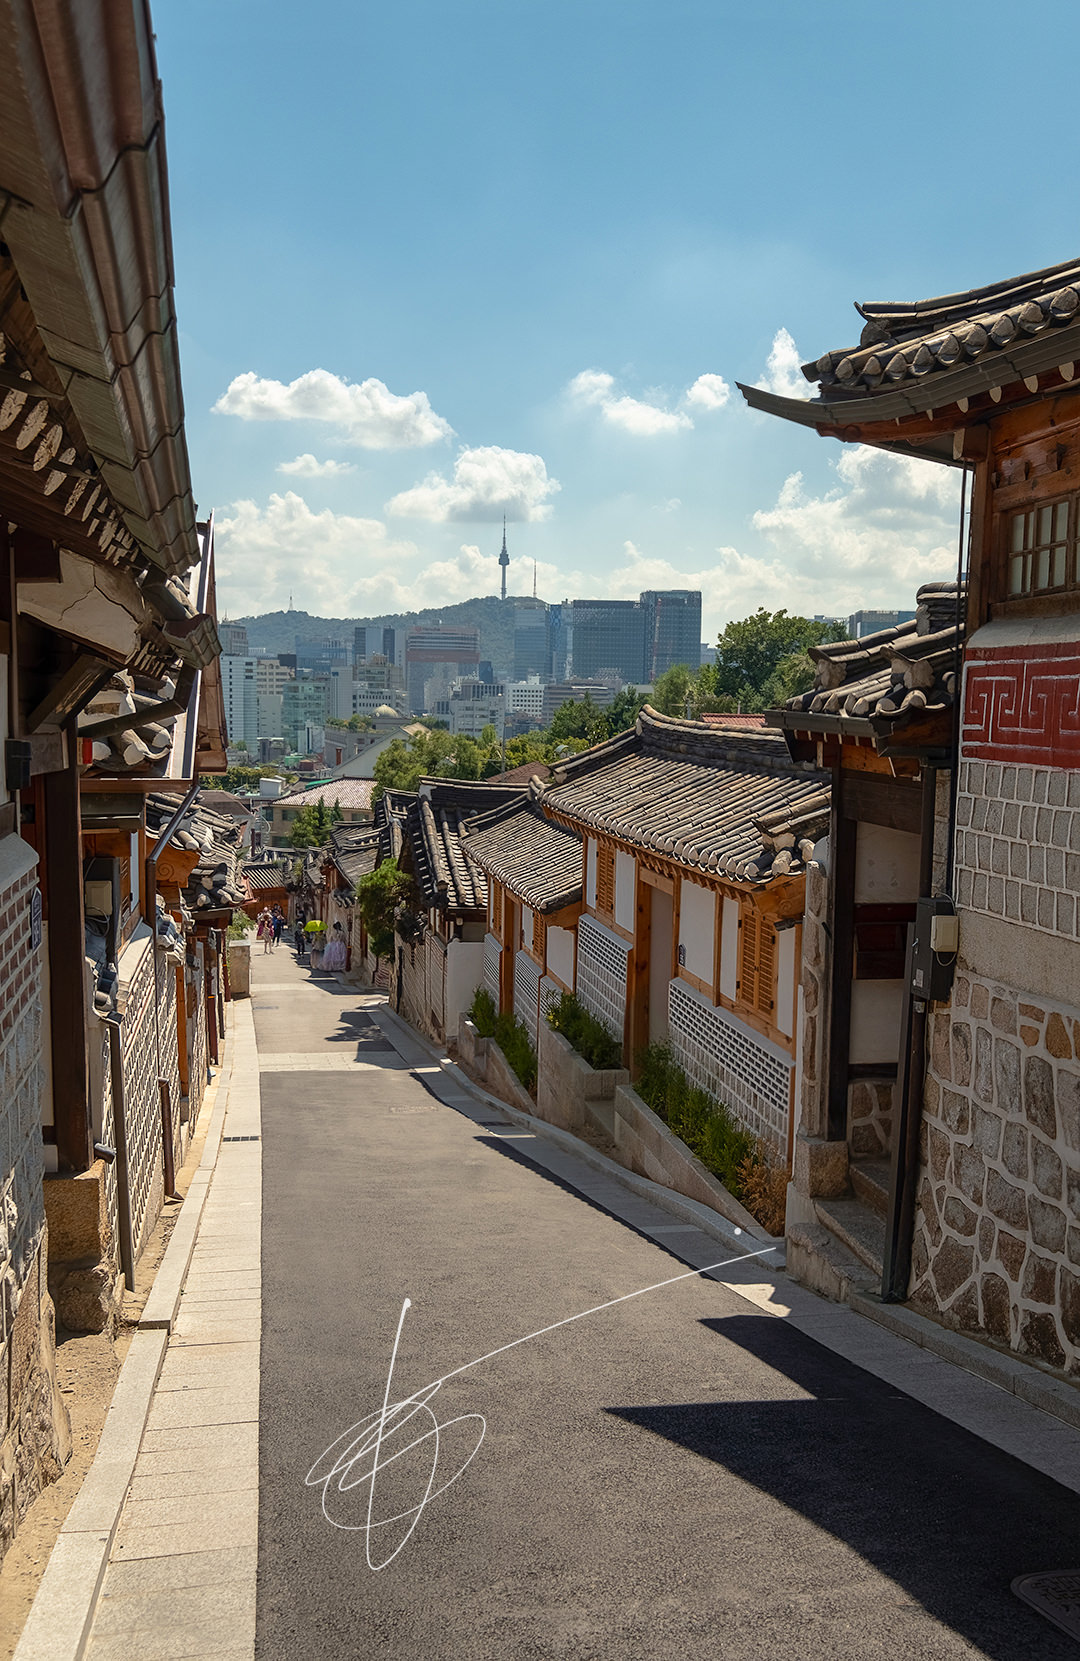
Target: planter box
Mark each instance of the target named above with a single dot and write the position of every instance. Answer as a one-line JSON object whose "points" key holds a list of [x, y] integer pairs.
{"points": [[483, 1059], [570, 1093]]}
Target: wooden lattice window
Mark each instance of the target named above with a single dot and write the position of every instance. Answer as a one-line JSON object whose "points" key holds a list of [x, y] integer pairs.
{"points": [[1040, 548], [756, 985], [539, 935], [605, 880]]}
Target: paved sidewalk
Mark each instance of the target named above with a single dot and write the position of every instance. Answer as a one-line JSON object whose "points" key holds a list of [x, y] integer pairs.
{"points": [[181, 1578]]}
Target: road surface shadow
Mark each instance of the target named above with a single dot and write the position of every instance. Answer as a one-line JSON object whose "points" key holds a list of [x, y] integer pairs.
{"points": [[944, 1514]]}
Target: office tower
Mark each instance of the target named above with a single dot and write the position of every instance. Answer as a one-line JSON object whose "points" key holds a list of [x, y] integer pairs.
{"points": [[672, 630], [322, 655], [532, 639], [389, 645], [359, 643], [234, 639], [429, 648], [608, 634], [869, 622], [240, 690]]}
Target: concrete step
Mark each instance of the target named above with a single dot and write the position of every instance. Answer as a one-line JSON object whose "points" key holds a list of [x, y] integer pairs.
{"points": [[860, 1228], [870, 1180]]}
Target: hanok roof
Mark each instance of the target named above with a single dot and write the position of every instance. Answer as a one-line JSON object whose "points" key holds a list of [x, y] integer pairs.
{"points": [[354, 852], [348, 794], [216, 883], [224, 802], [883, 682], [266, 873], [390, 813], [929, 355], [537, 858], [699, 795], [444, 875], [521, 775]]}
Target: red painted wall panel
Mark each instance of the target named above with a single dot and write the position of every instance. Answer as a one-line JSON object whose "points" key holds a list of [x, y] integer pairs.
{"points": [[1022, 704]]}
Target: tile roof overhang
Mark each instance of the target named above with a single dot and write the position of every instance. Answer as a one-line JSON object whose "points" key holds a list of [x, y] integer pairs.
{"points": [[536, 858], [727, 802], [896, 688], [216, 882], [923, 370], [444, 874]]}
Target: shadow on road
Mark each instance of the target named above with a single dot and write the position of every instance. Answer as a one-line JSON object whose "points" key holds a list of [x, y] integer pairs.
{"points": [[947, 1516]]}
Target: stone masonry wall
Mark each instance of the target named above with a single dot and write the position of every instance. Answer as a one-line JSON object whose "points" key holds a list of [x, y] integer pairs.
{"points": [[1018, 845], [997, 1227], [34, 1432]]}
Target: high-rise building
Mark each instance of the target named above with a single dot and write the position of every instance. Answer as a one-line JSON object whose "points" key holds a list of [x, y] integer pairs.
{"points": [[304, 703], [240, 691], [322, 655], [608, 634], [526, 697], [389, 645], [428, 648], [532, 639], [869, 622], [359, 644], [672, 630], [601, 693], [234, 639]]}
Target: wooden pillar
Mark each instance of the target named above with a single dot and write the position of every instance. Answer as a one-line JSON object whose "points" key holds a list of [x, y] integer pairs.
{"points": [[637, 1008], [67, 997], [842, 839], [182, 1031]]}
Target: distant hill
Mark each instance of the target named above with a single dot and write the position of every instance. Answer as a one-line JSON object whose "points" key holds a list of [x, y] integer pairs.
{"points": [[277, 631]]}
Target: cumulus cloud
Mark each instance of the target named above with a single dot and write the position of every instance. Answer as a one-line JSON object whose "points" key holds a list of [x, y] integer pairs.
{"points": [[367, 413], [486, 484], [596, 388], [783, 371], [307, 467], [709, 392], [732, 584], [886, 526]]}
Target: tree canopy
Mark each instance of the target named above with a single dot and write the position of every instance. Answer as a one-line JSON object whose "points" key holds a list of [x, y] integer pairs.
{"points": [[751, 651], [312, 826], [378, 893]]}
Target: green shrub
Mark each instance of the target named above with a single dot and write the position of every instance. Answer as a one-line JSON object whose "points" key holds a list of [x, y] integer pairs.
{"points": [[482, 1012], [511, 1036], [513, 1040], [239, 926], [584, 1033], [705, 1125]]}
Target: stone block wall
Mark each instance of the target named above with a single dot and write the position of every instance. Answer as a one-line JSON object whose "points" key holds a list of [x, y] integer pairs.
{"points": [[997, 1227], [1018, 845], [870, 1118], [810, 1086], [35, 1438]]}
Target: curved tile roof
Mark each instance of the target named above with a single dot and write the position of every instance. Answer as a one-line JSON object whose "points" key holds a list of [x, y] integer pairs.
{"points": [[699, 795], [537, 858]]}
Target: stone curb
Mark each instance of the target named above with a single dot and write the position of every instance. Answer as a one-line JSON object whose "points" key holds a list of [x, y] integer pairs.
{"points": [[1015, 1377], [159, 1311], [62, 1614]]}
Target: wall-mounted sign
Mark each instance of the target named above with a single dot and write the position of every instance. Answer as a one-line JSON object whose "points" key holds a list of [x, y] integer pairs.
{"points": [[35, 919]]}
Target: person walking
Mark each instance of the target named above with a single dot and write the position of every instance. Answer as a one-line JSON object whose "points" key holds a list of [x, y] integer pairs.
{"points": [[277, 920], [265, 931]]}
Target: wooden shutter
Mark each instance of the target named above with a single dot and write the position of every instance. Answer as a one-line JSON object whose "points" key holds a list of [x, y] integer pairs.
{"points": [[539, 935], [757, 961], [605, 880]]}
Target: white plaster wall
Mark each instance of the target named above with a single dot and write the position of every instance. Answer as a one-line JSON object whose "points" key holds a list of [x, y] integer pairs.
{"points": [[590, 872], [464, 973], [729, 948], [785, 981], [875, 1020], [560, 955], [886, 866], [625, 878], [697, 929]]}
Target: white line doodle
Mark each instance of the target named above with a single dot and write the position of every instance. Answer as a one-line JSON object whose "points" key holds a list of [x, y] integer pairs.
{"points": [[355, 1459]]}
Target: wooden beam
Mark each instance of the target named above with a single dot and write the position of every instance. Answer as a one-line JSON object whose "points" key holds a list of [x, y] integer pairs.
{"points": [[843, 832], [67, 998], [878, 800]]}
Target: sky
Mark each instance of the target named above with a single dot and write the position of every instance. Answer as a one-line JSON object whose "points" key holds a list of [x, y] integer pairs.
{"points": [[441, 260]]}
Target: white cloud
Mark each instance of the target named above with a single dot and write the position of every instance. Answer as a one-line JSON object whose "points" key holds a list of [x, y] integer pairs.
{"points": [[595, 388], [307, 467], [733, 585], [487, 483], [887, 526], [709, 392], [783, 371], [366, 412]]}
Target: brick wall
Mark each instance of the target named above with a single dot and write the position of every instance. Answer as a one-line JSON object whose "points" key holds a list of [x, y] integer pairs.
{"points": [[997, 1228], [34, 1434]]}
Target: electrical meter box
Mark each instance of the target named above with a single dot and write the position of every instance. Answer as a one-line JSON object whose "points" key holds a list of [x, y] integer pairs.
{"points": [[933, 949]]}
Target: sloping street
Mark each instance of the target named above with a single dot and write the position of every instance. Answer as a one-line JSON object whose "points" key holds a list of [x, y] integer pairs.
{"points": [[677, 1475]]}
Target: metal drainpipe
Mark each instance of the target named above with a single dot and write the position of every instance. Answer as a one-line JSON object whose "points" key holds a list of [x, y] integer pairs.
{"points": [[899, 1224], [123, 1184]]}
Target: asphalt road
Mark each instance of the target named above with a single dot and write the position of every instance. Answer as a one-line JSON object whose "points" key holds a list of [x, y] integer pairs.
{"points": [[672, 1478]]}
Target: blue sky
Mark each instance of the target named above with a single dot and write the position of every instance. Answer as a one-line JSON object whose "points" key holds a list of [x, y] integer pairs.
{"points": [[530, 246]]}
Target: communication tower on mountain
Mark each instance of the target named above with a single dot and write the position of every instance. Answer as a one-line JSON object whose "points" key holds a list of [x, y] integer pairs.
{"points": [[504, 559]]}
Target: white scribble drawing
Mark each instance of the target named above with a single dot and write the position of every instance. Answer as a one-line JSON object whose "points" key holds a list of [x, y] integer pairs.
{"points": [[355, 1459]]}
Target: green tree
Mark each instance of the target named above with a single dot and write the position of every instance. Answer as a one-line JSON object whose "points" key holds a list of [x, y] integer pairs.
{"points": [[312, 826], [624, 711], [580, 718], [378, 894], [750, 650]]}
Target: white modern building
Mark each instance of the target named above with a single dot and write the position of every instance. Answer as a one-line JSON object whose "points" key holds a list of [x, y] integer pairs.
{"points": [[238, 684]]}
